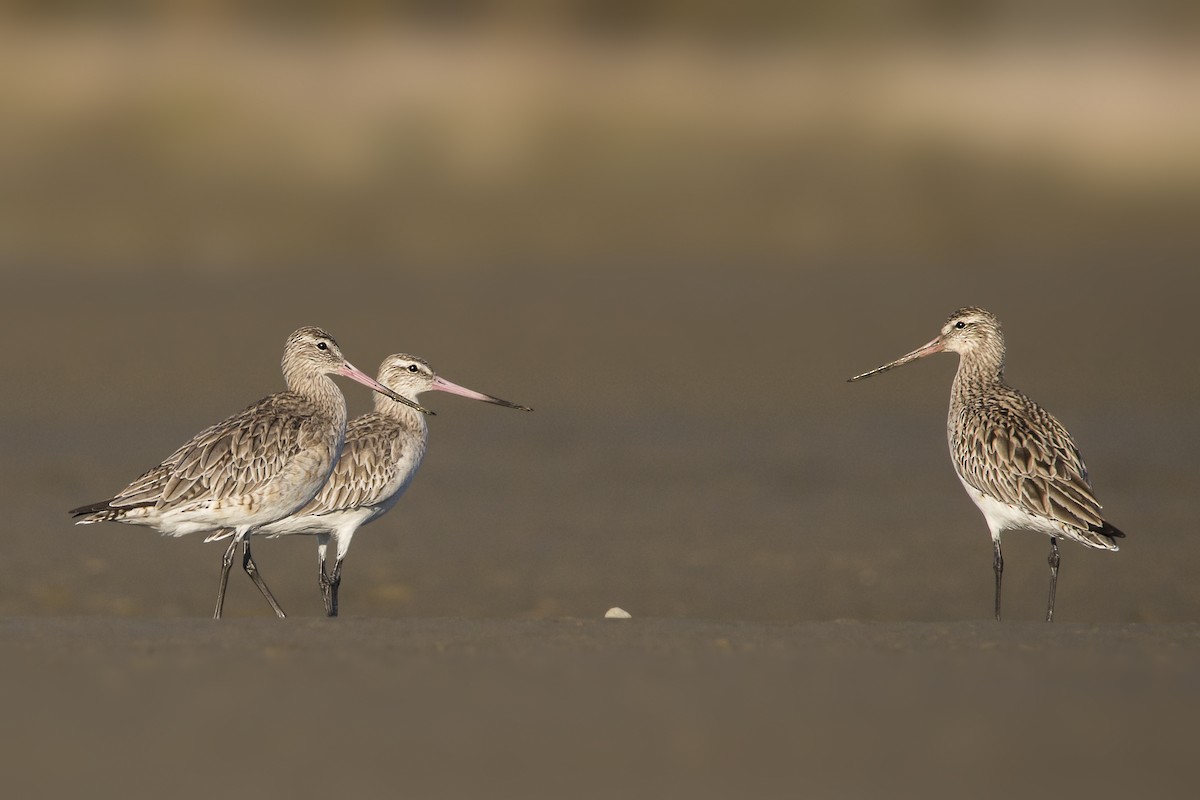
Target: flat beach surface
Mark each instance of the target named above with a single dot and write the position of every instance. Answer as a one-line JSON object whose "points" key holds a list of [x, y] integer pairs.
{"points": [[811, 589], [596, 709]]}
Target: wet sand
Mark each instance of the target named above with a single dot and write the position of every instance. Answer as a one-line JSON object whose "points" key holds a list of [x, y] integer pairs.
{"points": [[569, 708], [708, 469]]}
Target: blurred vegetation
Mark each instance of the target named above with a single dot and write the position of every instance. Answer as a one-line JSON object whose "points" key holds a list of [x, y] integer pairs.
{"points": [[264, 134]]}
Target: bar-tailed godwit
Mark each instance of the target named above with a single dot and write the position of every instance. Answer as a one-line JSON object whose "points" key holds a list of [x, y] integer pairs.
{"points": [[1017, 462], [383, 450], [255, 467]]}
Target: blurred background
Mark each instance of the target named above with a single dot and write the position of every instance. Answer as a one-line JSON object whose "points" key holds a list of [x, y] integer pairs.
{"points": [[674, 229]]}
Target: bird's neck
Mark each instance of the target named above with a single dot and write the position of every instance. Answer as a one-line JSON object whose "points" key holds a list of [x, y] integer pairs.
{"points": [[323, 393], [980, 368], [408, 417]]}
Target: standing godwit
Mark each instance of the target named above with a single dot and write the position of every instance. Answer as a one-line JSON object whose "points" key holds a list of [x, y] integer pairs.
{"points": [[1017, 462], [255, 467], [383, 451]]}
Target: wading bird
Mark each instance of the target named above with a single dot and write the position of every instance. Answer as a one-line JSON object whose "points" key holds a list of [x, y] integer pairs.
{"points": [[1017, 462], [255, 467]]}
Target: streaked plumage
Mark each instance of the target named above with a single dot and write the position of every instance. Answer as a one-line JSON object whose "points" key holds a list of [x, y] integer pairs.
{"points": [[382, 453], [254, 467], [1016, 461]]}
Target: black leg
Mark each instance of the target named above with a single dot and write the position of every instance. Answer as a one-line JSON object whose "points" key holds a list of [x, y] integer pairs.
{"points": [[226, 563], [1053, 561], [998, 567], [335, 580], [326, 590], [252, 570], [322, 577]]}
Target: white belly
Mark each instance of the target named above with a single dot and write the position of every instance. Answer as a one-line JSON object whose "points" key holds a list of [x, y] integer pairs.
{"points": [[1002, 517], [312, 524]]}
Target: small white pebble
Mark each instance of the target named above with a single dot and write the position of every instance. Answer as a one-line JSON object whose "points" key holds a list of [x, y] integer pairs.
{"points": [[617, 613]]}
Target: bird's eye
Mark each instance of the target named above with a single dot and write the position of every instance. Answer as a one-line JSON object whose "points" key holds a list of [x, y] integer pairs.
{"points": [[412, 368], [322, 346], [960, 324]]}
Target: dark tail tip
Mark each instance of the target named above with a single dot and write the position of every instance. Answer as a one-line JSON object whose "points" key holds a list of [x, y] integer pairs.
{"points": [[1108, 530], [92, 508]]}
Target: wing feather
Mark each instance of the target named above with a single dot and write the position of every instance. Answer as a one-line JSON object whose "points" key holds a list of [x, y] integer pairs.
{"points": [[366, 472], [228, 458], [1011, 449]]}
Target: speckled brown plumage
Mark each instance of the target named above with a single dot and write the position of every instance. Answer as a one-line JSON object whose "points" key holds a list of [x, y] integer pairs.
{"points": [[1009, 448], [1016, 461], [231, 465], [254, 467]]}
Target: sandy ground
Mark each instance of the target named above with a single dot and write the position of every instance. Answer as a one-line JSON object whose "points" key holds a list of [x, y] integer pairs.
{"points": [[811, 589], [570, 708]]}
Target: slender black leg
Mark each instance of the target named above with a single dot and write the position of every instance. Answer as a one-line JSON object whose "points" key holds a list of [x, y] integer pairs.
{"points": [[998, 567], [326, 590], [252, 570], [335, 580], [1053, 561], [322, 578], [226, 563]]}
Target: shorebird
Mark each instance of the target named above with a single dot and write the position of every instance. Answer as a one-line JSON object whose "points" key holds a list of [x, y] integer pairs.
{"points": [[1016, 461], [255, 467], [383, 450]]}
